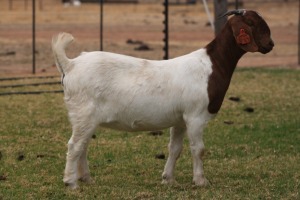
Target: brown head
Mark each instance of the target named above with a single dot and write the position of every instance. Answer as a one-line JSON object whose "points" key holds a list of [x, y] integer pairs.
{"points": [[251, 31], [245, 32]]}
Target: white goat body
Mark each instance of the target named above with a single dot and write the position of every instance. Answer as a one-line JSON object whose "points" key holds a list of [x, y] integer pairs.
{"points": [[132, 94]]}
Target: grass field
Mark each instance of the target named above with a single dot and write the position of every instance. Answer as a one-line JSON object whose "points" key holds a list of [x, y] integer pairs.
{"points": [[253, 155]]}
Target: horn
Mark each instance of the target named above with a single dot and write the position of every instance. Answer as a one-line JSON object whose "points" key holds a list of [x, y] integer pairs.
{"points": [[234, 12]]}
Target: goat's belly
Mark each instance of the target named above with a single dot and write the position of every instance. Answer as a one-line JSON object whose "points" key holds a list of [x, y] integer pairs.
{"points": [[146, 113], [132, 125]]}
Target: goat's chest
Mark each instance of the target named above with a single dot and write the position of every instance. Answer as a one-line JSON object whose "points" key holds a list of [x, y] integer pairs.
{"points": [[217, 88]]}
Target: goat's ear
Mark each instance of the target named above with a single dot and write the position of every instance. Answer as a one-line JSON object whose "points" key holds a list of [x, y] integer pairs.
{"points": [[244, 37]]}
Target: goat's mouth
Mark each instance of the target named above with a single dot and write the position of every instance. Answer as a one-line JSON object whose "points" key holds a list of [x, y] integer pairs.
{"points": [[265, 50], [267, 47]]}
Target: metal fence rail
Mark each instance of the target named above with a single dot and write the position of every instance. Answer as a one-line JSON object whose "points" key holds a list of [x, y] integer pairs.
{"points": [[6, 88]]}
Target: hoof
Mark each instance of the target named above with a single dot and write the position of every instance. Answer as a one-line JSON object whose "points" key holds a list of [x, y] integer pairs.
{"points": [[71, 186], [169, 182], [203, 182], [87, 180]]}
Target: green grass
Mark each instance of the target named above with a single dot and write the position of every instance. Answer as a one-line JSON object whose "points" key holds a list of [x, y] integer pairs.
{"points": [[256, 157]]}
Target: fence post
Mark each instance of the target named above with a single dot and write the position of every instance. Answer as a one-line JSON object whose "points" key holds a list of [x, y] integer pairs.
{"points": [[166, 29], [220, 7], [101, 25], [299, 34], [33, 36]]}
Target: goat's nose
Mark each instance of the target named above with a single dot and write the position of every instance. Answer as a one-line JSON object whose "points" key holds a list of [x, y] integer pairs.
{"points": [[271, 43]]}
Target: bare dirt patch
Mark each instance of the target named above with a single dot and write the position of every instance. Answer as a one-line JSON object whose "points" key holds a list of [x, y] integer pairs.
{"points": [[188, 32]]}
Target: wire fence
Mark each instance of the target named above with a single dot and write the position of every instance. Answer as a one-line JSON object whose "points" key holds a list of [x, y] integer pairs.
{"points": [[140, 23]]}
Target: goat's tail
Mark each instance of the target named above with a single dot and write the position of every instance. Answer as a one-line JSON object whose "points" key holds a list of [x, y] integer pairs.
{"points": [[59, 44]]}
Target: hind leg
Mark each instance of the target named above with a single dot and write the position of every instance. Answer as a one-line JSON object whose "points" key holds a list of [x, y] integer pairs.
{"points": [[76, 156], [83, 168]]}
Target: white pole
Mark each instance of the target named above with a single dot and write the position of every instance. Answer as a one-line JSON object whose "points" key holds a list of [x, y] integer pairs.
{"points": [[210, 19]]}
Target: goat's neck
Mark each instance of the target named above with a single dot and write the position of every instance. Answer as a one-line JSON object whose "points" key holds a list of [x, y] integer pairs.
{"points": [[224, 52]]}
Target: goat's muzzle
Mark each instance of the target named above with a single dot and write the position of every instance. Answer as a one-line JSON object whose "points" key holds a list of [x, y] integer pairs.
{"points": [[267, 48]]}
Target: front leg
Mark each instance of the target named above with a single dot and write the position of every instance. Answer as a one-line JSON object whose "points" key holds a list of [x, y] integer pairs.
{"points": [[175, 147], [195, 132]]}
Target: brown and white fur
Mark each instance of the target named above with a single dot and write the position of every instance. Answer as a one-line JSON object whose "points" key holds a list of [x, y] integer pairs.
{"points": [[132, 94]]}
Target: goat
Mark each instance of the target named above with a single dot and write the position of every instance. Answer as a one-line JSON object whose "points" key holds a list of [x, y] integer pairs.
{"points": [[132, 94]]}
